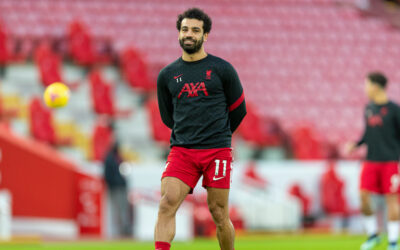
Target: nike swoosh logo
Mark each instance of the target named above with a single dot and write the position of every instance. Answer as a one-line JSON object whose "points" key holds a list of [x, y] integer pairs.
{"points": [[175, 77], [219, 178]]}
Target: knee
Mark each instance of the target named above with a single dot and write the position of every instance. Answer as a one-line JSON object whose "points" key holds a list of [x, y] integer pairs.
{"points": [[366, 210], [364, 199], [393, 213], [219, 214], [168, 204], [393, 209], [365, 203]]}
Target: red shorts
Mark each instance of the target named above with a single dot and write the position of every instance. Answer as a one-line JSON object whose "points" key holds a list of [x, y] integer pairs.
{"points": [[188, 165], [380, 177]]}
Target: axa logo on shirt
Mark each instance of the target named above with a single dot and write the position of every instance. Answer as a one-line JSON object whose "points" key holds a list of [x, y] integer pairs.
{"points": [[192, 89], [375, 120]]}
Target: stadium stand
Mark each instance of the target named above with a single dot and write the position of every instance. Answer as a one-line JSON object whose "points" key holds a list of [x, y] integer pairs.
{"points": [[308, 72]]}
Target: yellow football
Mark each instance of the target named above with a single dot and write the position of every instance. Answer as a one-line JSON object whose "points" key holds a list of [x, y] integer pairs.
{"points": [[56, 95]]}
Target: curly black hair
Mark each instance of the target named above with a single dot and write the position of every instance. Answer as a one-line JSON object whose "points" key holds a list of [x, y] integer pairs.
{"points": [[378, 78], [195, 13]]}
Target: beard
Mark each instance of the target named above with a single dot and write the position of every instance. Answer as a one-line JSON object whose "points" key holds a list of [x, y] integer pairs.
{"points": [[191, 48]]}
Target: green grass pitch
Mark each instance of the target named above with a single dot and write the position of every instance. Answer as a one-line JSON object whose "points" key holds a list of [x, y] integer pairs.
{"points": [[259, 242]]}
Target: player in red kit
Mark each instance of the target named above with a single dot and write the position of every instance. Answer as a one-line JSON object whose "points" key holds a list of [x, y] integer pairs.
{"points": [[201, 99], [380, 172]]}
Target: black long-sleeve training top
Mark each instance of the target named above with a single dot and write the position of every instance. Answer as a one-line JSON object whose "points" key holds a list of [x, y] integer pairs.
{"points": [[382, 132], [202, 102]]}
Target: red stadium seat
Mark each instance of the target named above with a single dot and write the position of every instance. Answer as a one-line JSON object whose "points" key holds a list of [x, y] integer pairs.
{"points": [[81, 46], [102, 139], [41, 122], [203, 222], [333, 201], [135, 71], [160, 132], [102, 94], [236, 218], [8, 46], [49, 65], [252, 178], [306, 146], [296, 191], [258, 130], [4, 50]]}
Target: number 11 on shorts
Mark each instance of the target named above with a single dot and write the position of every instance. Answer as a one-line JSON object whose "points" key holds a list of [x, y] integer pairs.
{"points": [[217, 163]]}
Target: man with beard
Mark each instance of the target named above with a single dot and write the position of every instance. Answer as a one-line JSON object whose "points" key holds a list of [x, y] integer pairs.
{"points": [[201, 99]]}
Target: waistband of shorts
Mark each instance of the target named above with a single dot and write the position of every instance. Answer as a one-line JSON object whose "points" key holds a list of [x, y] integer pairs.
{"points": [[381, 162], [378, 163], [200, 149]]}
